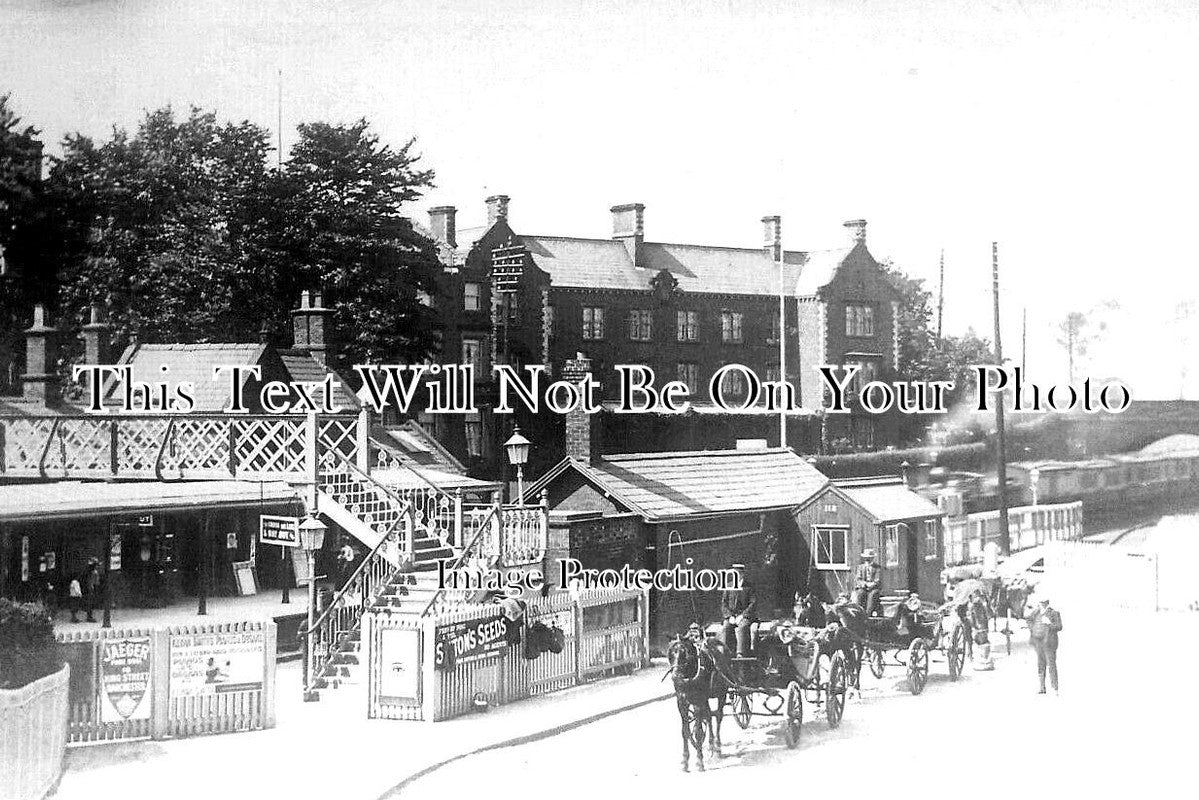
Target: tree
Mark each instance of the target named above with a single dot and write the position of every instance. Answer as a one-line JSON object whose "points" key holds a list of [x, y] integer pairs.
{"points": [[185, 232], [1079, 330]]}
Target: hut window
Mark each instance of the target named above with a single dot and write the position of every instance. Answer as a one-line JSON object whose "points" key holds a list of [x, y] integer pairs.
{"points": [[832, 548]]}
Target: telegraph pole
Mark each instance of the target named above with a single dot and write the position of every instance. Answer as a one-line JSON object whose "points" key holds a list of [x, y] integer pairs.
{"points": [[941, 296], [1005, 544], [782, 345]]}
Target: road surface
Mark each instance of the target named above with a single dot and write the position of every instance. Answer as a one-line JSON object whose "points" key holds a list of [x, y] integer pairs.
{"points": [[1120, 728]]}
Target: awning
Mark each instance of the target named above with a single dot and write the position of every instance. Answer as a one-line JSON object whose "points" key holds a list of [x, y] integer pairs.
{"points": [[64, 499], [407, 479]]}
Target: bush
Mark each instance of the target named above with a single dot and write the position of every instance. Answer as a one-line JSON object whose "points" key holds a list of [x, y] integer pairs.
{"points": [[28, 650]]}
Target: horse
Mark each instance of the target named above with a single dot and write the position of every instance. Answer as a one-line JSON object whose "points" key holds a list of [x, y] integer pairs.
{"points": [[810, 612], [851, 622], [697, 681]]}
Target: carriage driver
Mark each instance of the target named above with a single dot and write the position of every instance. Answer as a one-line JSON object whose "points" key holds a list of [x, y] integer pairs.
{"points": [[737, 607], [866, 583]]}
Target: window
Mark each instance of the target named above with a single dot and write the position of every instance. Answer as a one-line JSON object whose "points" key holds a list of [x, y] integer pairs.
{"points": [[774, 329], [733, 384], [593, 323], [689, 375], [891, 546], [772, 372], [859, 320], [867, 372], [641, 325], [509, 303], [472, 353], [474, 435], [831, 547], [730, 327], [830, 508], [688, 326], [472, 296], [930, 539]]}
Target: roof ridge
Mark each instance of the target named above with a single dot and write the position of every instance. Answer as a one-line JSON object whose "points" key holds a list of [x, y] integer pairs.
{"points": [[692, 454]]}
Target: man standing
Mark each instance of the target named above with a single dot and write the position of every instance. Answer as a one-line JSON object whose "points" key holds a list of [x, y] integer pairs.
{"points": [[91, 589], [737, 607], [1044, 624], [867, 580]]}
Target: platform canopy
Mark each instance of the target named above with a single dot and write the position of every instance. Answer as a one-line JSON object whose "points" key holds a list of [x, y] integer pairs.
{"points": [[66, 499]]}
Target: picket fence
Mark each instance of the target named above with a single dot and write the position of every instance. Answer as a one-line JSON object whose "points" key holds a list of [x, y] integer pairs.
{"points": [[157, 683], [601, 633]]}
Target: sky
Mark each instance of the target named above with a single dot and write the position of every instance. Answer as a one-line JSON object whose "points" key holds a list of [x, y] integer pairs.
{"points": [[1064, 131]]}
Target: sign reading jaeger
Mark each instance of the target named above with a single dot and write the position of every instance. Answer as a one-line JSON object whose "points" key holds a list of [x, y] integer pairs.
{"points": [[464, 642], [215, 663], [125, 679]]}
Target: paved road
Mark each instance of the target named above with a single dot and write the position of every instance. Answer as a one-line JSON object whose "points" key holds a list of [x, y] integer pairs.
{"points": [[987, 735]]}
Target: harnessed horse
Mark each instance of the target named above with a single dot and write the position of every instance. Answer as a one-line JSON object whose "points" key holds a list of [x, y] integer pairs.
{"points": [[697, 681]]}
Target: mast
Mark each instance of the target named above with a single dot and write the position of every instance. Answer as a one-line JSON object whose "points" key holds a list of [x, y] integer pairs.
{"points": [[1005, 544]]}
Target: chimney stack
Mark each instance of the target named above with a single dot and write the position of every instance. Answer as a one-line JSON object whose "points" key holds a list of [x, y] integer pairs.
{"points": [[582, 429], [442, 221], [97, 336], [40, 381], [857, 231], [497, 208], [628, 226], [309, 323], [773, 237]]}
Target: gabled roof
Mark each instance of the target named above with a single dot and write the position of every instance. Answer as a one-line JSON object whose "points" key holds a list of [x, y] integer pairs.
{"points": [[886, 499], [190, 362], [660, 486], [819, 270], [606, 264]]}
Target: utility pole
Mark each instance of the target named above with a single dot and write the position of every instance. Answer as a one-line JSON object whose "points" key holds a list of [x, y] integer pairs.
{"points": [[1005, 544], [782, 346], [1024, 342], [941, 296], [279, 127]]}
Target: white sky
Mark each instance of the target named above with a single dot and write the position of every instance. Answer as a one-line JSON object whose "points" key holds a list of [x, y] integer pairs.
{"points": [[1066, 131]]}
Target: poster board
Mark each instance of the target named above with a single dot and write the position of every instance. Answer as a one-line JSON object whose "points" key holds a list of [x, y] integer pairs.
{"points": [[281, 531], [245, 578], [299, 564], [125, 678], [207, 664], [399, 664]]}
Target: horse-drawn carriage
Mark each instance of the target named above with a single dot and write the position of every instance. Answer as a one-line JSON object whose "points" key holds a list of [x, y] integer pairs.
{"points": [[785, 670], [909, 637]]}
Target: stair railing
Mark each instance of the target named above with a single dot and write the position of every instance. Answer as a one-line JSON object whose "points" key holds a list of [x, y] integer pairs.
{"points": [[344, 613], [368, 499], [483, 547]]}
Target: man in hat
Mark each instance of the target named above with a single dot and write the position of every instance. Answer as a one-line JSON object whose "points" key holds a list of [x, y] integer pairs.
{"points": [[866, 583], [1044, 624], [737, 607], [91, 588]]}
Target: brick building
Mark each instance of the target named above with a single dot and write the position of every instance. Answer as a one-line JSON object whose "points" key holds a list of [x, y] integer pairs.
{"points": [[684, 310]]}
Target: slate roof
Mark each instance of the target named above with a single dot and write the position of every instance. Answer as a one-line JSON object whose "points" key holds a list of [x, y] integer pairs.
{"points": [[301, 366], [889, 501], [1174, 444], [605, 263], [661, 486], [190, 362], [87, 499], [416, 447]]}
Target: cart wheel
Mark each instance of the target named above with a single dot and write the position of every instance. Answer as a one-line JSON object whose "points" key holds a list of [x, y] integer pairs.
{"points": [[742, 710], [793, 715], [917, 666], [956, 652], [877, 665], [834, 693]]}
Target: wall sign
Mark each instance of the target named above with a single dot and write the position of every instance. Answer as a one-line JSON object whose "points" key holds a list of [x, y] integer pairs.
{"points": [[204, 664], [283, 531], [114, 552], [146, 521], [464, 642], [231, 541], [125, 670]]}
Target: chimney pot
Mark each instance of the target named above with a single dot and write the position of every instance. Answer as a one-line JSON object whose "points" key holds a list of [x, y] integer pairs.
{"points": [[40, 382], [772, 243], [97, 337], [442, 220], [497, 208], [857, 231], [309, 326]]}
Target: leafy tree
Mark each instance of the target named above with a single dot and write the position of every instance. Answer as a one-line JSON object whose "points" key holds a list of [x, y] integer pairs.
{"points": [[916, 338], [1079, 330]]}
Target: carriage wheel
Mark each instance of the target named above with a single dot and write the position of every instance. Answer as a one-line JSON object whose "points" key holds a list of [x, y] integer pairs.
{"points": [[793, 715], [877, 665], [956, 652], [742, 709], [834, 692], [917, 666]]}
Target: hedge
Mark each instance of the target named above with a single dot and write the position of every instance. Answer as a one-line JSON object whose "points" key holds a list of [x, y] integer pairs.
{"points": [[28, 650]]}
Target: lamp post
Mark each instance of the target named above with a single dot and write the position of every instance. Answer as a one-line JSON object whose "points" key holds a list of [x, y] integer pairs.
{"points": [[1034, 477], [312, 539], [518, 455]]}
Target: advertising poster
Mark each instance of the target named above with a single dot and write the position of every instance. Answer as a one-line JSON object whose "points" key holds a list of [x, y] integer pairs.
{"points": [[125, 669], [465, 642], [214, 663], [399, 662]]}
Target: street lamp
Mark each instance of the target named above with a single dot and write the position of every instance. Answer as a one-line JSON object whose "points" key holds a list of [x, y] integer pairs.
{"points": [[312, 539], [518, 455]]}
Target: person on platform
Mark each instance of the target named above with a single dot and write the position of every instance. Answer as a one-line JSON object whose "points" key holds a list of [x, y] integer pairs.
{"points": [[91, 589], [75, 598], [737, 608], [866, 584], [1044, 625]]}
